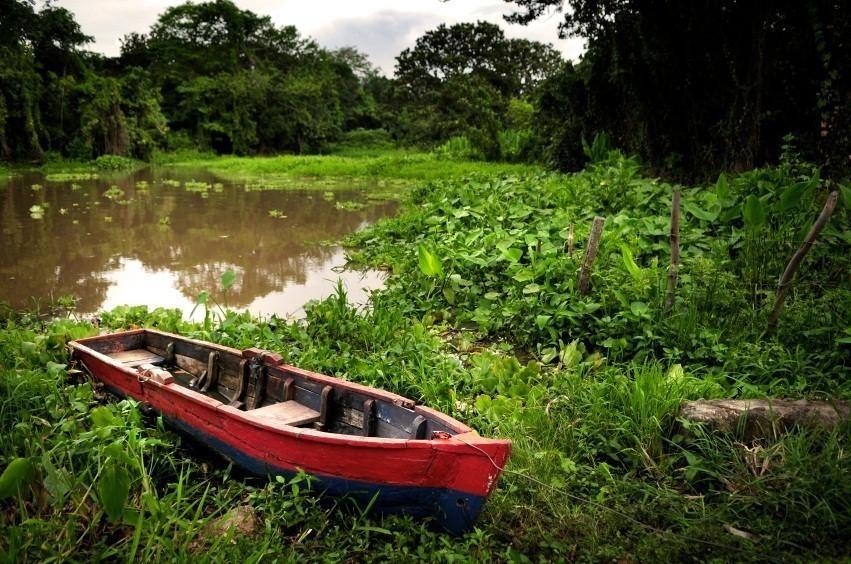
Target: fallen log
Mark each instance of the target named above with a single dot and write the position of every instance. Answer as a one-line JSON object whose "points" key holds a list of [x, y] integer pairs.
{"points": [[765, 418]]}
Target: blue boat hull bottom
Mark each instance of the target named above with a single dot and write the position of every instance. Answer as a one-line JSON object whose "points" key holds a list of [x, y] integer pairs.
{"points": [[454, 511]]}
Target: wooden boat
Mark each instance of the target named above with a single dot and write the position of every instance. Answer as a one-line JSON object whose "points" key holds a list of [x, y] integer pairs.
{"points": [[275, 419]]}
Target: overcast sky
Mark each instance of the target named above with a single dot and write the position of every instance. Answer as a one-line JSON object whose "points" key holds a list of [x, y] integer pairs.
{"points": [[380, 28]]}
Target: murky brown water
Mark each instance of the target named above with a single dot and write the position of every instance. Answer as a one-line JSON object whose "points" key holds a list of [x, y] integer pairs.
{"points": [[162, 242]]}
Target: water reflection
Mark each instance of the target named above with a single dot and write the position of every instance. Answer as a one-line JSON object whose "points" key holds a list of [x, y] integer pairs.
{"points": [[160, 244]]}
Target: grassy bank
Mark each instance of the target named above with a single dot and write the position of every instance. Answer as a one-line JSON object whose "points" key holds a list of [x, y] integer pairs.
{"points": [[482, 319], [378, 164], [376, 167]]}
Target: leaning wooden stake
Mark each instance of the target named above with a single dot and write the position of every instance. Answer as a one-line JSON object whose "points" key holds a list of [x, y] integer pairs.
{"points": [[785, 283], [674, 239], [590, 254]]}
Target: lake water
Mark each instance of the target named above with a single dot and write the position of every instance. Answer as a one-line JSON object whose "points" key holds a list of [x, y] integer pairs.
{"points": [[163, 236]]}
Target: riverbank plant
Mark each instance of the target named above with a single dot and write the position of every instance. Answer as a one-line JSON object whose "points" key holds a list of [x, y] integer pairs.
{"points": [[482, 319]]}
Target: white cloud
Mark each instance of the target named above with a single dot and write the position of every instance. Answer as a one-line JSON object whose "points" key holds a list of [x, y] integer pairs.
{"points": [[380, 28]]}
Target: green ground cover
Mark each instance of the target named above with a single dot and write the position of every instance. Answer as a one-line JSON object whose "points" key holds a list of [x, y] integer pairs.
{"points": [[364, 164], [482, 319]]}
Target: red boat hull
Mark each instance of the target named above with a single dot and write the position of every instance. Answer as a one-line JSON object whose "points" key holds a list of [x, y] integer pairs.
{"points": [[449, 479]]}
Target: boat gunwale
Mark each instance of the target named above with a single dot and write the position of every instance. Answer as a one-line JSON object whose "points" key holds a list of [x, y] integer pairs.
{"points": [[469, 438]]}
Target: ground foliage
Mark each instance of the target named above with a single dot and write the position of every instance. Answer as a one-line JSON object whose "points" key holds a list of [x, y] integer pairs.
{"points": [[481, 320], [507, 270]]}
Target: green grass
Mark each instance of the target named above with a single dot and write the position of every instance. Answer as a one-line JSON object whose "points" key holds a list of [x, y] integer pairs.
{"points": [[383, 169], [482, 320], [388, 165], [594, 436]]}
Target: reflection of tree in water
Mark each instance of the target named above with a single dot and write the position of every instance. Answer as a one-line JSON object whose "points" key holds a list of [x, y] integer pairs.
{"points": [[47, 257], [205, 237]]}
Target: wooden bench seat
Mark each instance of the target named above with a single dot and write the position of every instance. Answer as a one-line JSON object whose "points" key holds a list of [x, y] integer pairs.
{"points": [[286, 413], [137, 357]]}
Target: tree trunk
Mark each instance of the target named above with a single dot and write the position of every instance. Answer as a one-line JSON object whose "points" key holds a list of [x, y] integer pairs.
{"points": [[765, 418]]}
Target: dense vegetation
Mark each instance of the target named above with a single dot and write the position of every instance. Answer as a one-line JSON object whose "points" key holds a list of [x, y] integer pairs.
{"points": [[207, 75], [690, 89], [697, 87], [508, 268], [482, 316], [482, 319]]}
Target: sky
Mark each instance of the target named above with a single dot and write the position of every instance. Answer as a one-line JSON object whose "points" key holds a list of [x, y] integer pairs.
{"points": [[380, 28]]}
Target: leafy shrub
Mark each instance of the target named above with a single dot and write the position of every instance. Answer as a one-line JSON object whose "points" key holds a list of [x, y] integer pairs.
{"points": [[502, 245], [114, 162], [364, 139], [459, 148], [515, 145]]}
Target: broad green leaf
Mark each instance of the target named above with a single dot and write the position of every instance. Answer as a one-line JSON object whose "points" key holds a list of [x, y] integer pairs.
{"points": [[699, 213], [629, 263], [791, 197], [731, 214], [429, 262], [449, 294], [845, 192], [483, 403], [512, 255], [113, 489], [56, 481], [116, 452], [506, 244], [16, 475], [202, 298], [524, 275], [722, 188], [228, 278], [753, 211], [491, 296], [531, 289], [548, 355], [103, 417], [542, 320], [639, 308]]}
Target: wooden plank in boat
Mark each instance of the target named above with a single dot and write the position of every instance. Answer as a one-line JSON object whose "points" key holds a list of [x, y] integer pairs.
{"points": [[286, 413], [136, 357]]}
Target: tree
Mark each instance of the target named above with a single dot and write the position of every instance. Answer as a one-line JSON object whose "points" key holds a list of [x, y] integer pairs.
{"points": [[458, 80], [223, 77], [694, 87]]}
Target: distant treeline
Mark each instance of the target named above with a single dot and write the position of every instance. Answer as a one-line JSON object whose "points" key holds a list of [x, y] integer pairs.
{"points": [[689, 87]]}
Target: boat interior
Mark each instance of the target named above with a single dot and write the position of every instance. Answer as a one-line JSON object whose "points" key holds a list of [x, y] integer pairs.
{"points": [[258, 383]]}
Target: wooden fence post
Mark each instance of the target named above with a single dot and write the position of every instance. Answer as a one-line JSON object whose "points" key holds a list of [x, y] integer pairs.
{"points": [[785, 283], [674, 239], [590, 254], [569, 243]]}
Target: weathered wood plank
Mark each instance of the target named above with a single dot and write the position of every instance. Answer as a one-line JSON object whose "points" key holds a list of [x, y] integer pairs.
{"points": [[764, 418], [136, 357], [286, 413]]}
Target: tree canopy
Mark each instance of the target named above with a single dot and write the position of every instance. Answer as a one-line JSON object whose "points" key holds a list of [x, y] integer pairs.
{"points": [[207, 75], [690, 88], [459, 79], [697, 87]]}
